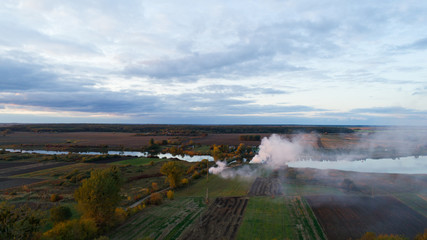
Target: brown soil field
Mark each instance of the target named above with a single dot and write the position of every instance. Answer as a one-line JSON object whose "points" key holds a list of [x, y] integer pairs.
{"points": [[344, 217], [6, 183], [21, 169], [80, 139], [228, 139], [13, 164], [221, 220], [266, 187]]}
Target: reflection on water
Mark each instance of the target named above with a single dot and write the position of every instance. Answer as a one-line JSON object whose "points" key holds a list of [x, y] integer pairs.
{"points": [[187, 158], [405, 165]]}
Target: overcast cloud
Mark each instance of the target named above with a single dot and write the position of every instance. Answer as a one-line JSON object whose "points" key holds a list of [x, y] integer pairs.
{"points": [[297, 62]]}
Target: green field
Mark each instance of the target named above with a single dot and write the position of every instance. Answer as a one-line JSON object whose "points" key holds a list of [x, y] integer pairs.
{"points": [[279, 218], [165, 222], [218, 187]]}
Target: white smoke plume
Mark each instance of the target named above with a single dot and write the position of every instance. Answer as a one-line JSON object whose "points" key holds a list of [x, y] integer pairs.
{"points": [[221, 166], [277, 151]]}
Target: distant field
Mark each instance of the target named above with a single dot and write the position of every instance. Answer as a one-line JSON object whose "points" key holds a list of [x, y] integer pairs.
{"points": [[80, 139], [165, 222], [137, 161], [279, 218]]}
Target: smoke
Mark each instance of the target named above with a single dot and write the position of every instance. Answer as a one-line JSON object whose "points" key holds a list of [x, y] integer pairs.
{"points": [[221, 166], [276, 151], [222, 170]]}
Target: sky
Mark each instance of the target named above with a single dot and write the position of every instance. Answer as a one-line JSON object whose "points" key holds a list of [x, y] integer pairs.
{"points": [[214, 62]]}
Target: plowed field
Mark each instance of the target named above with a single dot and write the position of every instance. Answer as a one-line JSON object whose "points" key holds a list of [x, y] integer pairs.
{"points": [[221, 220], [344, 217], [266, 187]]}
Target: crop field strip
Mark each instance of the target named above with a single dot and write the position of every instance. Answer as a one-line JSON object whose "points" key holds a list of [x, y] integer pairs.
{"points": [[344, 217], [165, 222], [279, 218], [4, 165], [414, 201], [266, 187], [22, 169], [6, 183], [221, 220]]}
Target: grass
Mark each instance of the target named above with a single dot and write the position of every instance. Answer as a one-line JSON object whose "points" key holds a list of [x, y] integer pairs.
{"points": [[413, 201], [279, 218], [218, 187], [167, 221], [266, 218], [203, 149]]}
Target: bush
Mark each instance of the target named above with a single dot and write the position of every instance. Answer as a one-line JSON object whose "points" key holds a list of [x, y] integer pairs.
{"points": [[170, 195], [55, 197], [19, 223], [120, 215], [155, 198], [196, 175], [60, 214], [184, 181], [154, 186], [73, 229]]}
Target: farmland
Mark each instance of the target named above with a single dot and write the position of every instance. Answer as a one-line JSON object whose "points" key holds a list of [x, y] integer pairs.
{"points": [[345, 217], [279, 218], [165, 222], [221, 220], [245, 201], [266, 187]]}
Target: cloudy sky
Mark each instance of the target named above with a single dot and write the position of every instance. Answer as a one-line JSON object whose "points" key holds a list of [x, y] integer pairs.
{"points": [[214, 62]]}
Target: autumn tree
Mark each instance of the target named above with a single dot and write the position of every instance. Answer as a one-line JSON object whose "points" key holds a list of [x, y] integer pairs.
{"points": [[19, 222], [99, 195], [173, 172], [216, 152], [60, 214]]}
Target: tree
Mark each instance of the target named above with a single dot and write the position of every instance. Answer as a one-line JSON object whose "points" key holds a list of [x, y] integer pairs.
{"points": [[99, 195], [19, 222], [60, 214], [216, 152], [173, 172]]}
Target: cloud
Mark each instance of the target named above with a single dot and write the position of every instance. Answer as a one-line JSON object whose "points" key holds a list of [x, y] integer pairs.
{"points": [[419, 44], [293, 61]]}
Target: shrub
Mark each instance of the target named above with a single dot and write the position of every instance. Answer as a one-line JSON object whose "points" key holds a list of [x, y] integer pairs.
{"points": [[170, 195], [73, 229], [154, 186], [196, 175], [60, 214], [155, 198], [19, 223], [120, 215], [55, 197], [184, 181]]}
